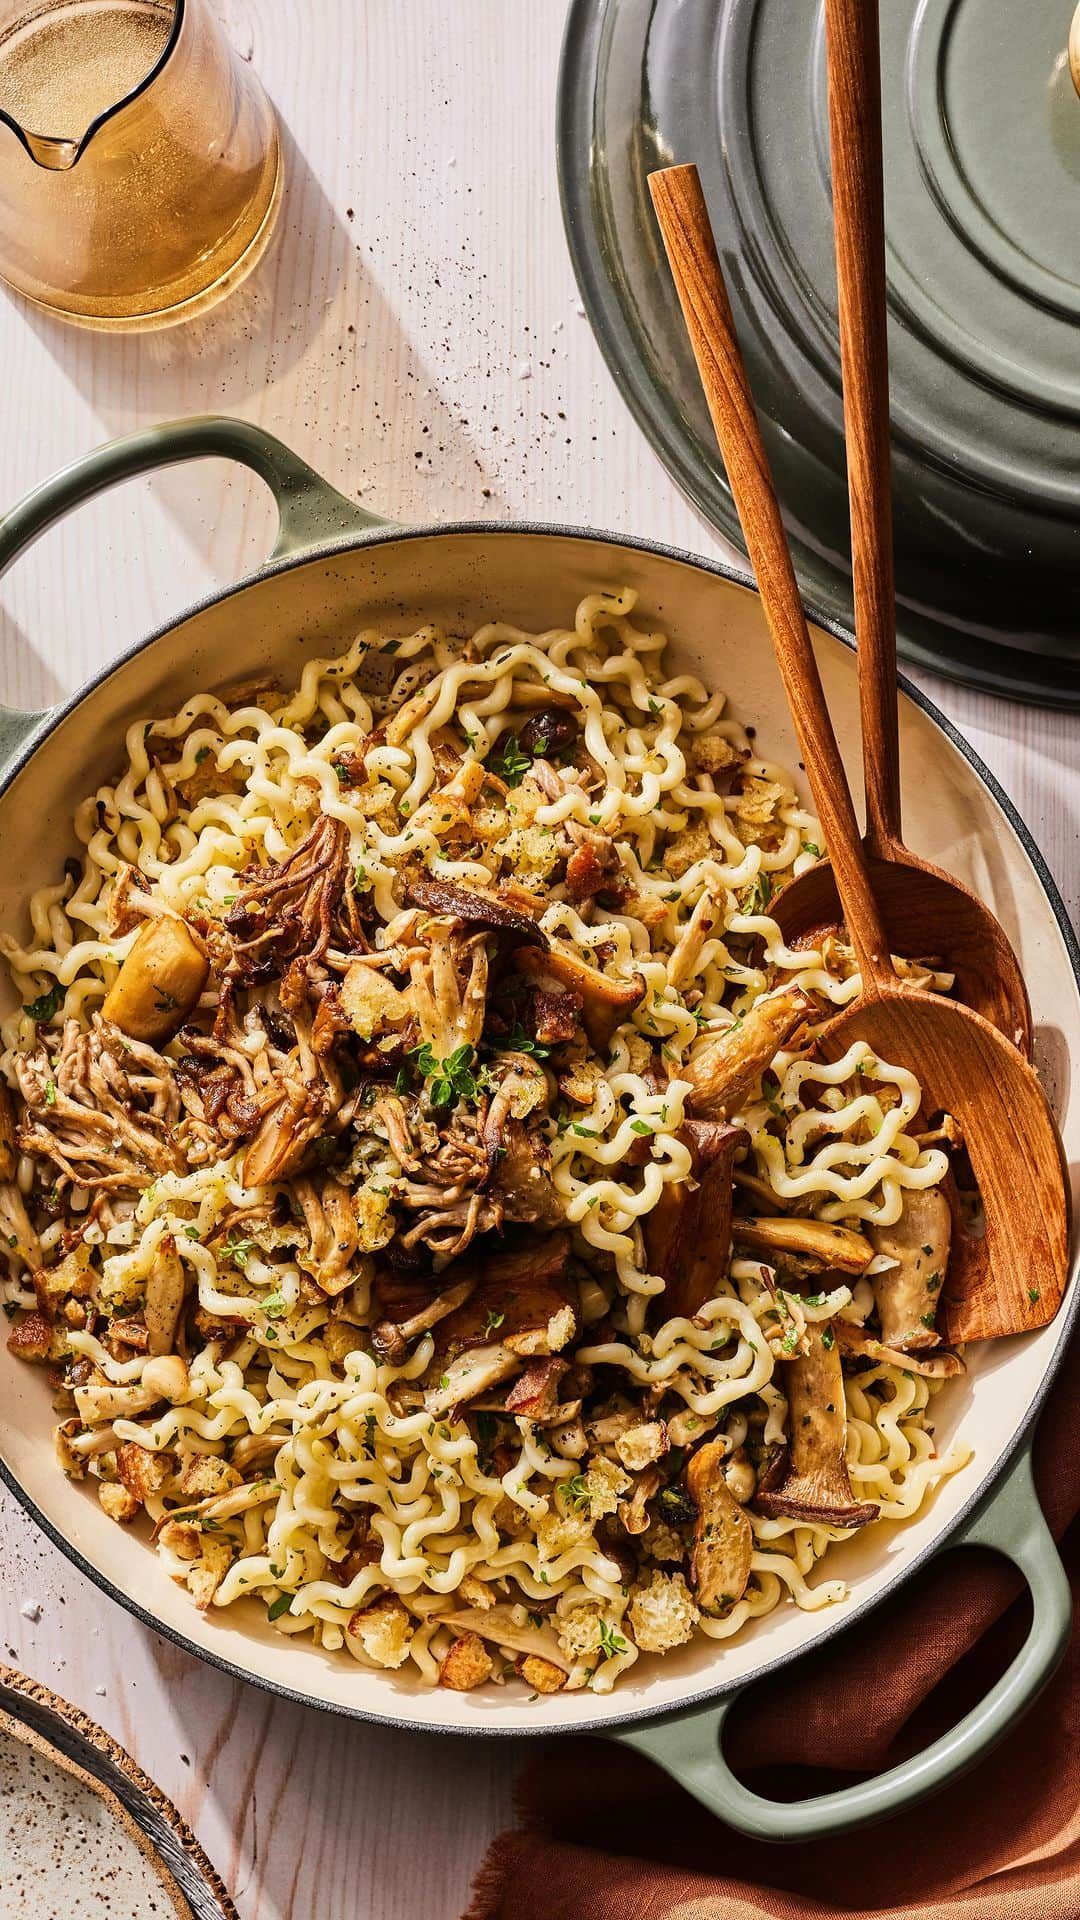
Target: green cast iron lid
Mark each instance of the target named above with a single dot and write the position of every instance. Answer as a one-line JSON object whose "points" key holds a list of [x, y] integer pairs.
{"points": [[982, 166]]}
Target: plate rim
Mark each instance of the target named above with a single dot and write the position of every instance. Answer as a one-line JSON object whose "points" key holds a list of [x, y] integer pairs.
{"points": [[86, 1751]]}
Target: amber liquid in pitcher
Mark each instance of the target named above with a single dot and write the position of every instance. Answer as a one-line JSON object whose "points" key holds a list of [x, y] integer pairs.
{"points": [[66, 64], [140, 165]]}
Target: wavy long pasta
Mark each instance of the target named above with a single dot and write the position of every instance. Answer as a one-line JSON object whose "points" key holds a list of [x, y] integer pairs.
{"points": [[294, 1456]]}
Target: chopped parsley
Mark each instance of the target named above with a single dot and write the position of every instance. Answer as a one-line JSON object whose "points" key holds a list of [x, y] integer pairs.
{"points": [[511, 763], [44, 1007], [758, 894], [576, 1493], [203, 754], [236, 1250], [166, 1002], [449, 1080], [279, 1606], [50, 1093], [808, 846], [640, 1126], [611, 1641], [518, 1041]]}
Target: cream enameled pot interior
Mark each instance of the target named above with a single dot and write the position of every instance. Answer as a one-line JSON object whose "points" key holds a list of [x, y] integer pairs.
{"points": [[535, 580]]}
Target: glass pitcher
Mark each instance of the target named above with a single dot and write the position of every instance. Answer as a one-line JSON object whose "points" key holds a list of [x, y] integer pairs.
{"points": [[140, 163]]}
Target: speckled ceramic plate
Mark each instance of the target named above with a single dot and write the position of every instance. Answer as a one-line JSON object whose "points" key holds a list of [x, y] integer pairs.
{"points": [[982, 150], [82, 1831]]}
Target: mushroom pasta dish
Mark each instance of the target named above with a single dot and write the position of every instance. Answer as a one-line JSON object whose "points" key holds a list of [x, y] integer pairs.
{"points": [[422, 1183]]}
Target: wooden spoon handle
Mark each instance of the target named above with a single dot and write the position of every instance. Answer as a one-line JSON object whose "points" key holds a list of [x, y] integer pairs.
{"points": [[691, 250], [859, 218]]}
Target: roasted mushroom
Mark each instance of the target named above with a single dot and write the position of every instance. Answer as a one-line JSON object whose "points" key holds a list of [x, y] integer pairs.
{"points": [[726, 1065], [165, 1289], [159, 982], [723, 1536], [906, 1295], [393, 1337], [941, 1364], [605, 1003], [688, 1232], [474, 906], [804, 1246], [808, 1480]]}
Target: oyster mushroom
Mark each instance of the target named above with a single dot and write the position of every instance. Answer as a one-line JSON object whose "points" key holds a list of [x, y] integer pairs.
{"points": [[809, 1246], [392, 1337], [906, 1294], [497, 1623], [861, 1345], [723, 1536], [165, 1290], [726, 1065], [808, 1480], [164, 1378], [605, 1003], [159, 982], [474, 906], [688, 1232]]}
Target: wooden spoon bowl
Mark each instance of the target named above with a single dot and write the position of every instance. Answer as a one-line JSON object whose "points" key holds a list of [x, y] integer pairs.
{"points": [[962, 1063], [927, 915]]}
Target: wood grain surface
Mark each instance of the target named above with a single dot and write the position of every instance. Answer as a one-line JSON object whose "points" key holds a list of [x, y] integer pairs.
{"points": [[417, 335]]}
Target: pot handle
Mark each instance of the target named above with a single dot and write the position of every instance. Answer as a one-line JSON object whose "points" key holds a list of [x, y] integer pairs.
{"points": [[309, 509], [689, 1745]]}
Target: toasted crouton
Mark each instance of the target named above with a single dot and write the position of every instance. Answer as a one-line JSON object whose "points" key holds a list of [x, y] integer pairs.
{"points": [[687, 847], [713, 753], [208, 1572], [117, 1502], [639, 1446], [142, 1471], [467, 1664], [204, 1473], [33, 1339], [384, 1630], [543, 1676], [372, 1003], [663, 1614], [181, 1538]]}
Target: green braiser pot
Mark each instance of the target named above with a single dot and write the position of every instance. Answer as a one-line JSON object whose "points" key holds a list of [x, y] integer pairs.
{"points": [[335, 568]]}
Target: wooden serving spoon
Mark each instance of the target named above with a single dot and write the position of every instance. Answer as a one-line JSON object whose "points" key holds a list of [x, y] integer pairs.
{"points": [[925, 911], [963, 1064]]}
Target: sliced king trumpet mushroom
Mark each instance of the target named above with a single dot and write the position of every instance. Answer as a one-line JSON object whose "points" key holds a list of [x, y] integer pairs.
{"points": [[808, 1480], [726, 1065], [941, 1364], [165, 1290], [159, 982], [907, 1294], [808, 1246], [723, 1536], [688, 1232], [605, 1003]]}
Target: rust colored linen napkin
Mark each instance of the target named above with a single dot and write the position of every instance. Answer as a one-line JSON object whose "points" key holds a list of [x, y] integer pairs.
{"points": [[607, 1836]]}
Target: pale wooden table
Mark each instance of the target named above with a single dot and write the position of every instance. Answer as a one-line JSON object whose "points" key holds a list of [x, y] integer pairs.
{"points": [[417, 336]]}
